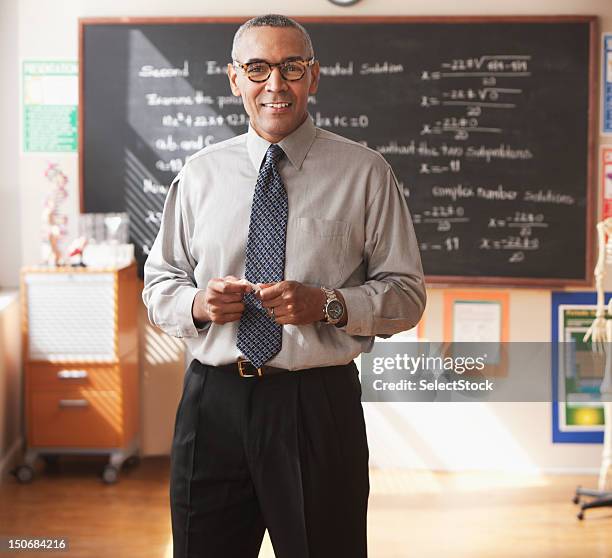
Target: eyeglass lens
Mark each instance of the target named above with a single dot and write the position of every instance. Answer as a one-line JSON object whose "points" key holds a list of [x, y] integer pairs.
{"points": [[260, 71]]}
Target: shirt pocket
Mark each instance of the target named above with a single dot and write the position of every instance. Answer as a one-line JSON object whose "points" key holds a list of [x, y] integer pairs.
{"points": [[321, 250]]}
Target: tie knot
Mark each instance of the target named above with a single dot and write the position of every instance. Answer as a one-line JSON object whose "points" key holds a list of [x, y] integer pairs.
{"points": [[274, 153]]}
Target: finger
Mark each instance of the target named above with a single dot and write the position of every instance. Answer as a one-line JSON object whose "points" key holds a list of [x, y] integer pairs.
{"points": [[233, 287], [273, 303], [216, 284], [273, 291], [259, 286], [218, 312], [233, 279], [220, 298], [227, 318], [228, 308], [280, 313], [222, 285]]}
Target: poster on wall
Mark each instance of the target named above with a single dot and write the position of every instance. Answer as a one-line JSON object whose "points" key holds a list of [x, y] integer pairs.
{"points": [[606, 86], [606, 181], [479, 317], [50, 99], [577, 370]]}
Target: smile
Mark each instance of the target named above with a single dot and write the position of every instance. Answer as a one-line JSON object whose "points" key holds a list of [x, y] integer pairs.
{"points": [[277, 105]]}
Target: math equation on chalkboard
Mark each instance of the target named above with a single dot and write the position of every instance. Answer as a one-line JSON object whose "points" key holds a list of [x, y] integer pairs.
{"points": [[485, 123]]}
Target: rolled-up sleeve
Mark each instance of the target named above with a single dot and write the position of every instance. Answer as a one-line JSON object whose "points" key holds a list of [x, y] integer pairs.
{"points": [[393, 297], [169, 282]]}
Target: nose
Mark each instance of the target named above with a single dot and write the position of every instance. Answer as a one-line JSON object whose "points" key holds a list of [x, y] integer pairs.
{"points": [[275, 81]]}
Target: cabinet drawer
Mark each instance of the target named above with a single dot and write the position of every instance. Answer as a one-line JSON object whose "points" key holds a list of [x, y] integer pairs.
{"points": [[75, 418], [61, 377]]}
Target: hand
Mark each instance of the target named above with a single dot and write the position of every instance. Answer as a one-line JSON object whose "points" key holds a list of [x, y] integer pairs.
{"points": [[293, 302], [221, 302], [597, 334]]}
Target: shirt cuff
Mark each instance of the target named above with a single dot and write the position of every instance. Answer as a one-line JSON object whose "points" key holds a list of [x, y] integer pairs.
{"points": [[359, 310], [184, 304]]}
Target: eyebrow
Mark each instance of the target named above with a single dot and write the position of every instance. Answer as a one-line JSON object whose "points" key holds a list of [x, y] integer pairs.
{"points": [[289, 59]]}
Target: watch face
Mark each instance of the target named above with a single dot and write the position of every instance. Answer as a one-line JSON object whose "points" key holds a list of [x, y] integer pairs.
{"points": [[335, 309]]}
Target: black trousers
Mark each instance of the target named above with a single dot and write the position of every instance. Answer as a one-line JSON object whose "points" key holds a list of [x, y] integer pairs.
{"points": [[286, 452]]}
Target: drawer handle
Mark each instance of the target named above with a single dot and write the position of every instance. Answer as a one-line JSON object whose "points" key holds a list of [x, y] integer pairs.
{"points": [[73, 403], [72, 374]]}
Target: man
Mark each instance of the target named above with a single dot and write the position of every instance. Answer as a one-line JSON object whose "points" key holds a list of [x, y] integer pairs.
{"points": [[281, 253]]}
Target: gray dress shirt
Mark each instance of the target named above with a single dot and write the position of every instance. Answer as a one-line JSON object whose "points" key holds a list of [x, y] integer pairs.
{"points": [[349, 228]]}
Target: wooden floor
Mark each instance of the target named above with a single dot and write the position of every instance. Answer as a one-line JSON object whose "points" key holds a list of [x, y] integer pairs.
{"points": [[412, 514]]}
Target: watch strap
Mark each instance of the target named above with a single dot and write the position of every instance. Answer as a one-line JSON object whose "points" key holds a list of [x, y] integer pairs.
{"points": [[330, 295]]}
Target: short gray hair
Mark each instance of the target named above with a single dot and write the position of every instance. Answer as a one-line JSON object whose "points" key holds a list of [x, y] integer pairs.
{"points": [[271, 20]]}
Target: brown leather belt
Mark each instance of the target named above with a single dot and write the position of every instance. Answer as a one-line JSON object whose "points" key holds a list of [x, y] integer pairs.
{"points": [[247, 369]]}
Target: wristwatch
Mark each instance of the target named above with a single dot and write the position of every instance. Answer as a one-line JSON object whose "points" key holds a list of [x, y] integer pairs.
{"points": [[333, 309]]}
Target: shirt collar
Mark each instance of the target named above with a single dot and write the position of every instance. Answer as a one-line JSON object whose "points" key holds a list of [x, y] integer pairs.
{"points": [[296, 145]]}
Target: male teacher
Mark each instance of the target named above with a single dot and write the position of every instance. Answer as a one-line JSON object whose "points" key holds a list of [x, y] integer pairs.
{"points": [[282, 253]]}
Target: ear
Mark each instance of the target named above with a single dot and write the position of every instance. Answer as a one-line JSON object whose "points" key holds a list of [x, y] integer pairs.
{"points": [[233, 80], [314, 79]]}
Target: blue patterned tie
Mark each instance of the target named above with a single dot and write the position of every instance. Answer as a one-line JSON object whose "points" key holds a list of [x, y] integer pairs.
{"points": [[259, 337]]}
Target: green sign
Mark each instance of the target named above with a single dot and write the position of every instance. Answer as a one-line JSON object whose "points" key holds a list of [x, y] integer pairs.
{"points": [[50, 98]]}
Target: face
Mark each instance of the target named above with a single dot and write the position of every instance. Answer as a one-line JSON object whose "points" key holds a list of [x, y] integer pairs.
{"points": [[273, 45]]}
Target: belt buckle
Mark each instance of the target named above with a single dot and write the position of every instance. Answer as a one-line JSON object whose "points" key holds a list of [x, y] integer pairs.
{"points": [[242, 372]]}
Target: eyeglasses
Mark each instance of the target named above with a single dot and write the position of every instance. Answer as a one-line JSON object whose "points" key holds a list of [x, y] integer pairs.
{"points": [[292, 70]]}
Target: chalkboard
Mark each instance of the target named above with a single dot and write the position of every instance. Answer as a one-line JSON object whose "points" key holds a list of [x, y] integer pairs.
{"points": [[488, 124]]}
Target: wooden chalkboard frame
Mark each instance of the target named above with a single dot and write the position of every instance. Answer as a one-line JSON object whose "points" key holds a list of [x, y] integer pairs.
{"points": [[432, 280]]}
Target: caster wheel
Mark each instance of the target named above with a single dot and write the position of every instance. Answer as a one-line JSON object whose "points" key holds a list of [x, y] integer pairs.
{"points": [[24, 474], [580, 516], [110, 475], [576, 499]]}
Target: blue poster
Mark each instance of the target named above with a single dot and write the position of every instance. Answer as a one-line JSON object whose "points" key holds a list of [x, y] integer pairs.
{"points": [[606, 112], [577, 371]]}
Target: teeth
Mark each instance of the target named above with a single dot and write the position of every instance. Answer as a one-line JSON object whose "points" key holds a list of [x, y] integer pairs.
{"points": [[276, 105]]}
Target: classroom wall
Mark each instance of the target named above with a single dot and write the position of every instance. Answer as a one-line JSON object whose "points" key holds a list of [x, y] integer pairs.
{"points": [[440, 436], [10, 239]]}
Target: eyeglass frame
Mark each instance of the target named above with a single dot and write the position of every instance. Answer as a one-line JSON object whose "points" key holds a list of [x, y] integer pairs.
{"points": [[304, 63]]}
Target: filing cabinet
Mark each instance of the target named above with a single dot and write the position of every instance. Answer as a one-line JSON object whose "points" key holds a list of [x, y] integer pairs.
{"points": [[80, 355]]}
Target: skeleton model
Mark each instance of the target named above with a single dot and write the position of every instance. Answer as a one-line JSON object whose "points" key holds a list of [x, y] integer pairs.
{"points": [[600, 334], [54, 222]]}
